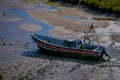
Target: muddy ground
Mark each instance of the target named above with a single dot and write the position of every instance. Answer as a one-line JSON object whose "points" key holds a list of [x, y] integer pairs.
{"points": [[20, 59]]}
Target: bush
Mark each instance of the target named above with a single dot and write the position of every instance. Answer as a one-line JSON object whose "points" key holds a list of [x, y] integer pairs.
{"points": [[113, 5]]}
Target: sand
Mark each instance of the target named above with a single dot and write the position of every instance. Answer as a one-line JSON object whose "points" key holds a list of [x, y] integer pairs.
{"points": [[30, 27]]}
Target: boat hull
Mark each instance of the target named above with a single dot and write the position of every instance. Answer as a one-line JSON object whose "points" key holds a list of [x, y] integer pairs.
{"points": [[69, 54], [58, 50]]}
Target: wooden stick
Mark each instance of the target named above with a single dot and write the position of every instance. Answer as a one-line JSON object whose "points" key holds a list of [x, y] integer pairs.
{"points": [[4, 42]]}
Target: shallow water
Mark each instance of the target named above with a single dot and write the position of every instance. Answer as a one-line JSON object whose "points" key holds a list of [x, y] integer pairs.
{"points": [[42, 6], [11, 26], [75, 18]]}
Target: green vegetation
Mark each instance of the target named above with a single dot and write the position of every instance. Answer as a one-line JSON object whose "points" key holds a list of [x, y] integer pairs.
{"points": [[110, 5], [103, 5], [1, 76], [34, 1], [50, 2]]}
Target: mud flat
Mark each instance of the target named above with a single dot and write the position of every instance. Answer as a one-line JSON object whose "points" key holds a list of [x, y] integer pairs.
{"points": [[20, 59], [65, 26], [115, 37]]}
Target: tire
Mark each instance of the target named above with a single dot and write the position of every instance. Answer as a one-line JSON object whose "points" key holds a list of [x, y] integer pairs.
{"points": [[87, 41]]}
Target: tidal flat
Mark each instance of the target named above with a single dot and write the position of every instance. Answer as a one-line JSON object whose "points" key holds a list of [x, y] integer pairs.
{"points": [[20, 58]]}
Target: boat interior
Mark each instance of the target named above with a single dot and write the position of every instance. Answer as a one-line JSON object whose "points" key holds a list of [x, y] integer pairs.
{"points": [[70, 43]]}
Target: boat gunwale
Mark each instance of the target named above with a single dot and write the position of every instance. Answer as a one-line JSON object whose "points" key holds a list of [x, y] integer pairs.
{"points": [[65, 47]]}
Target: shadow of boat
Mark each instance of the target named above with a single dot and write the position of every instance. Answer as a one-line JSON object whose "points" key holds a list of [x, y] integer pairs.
{"points": [[48, 56]]}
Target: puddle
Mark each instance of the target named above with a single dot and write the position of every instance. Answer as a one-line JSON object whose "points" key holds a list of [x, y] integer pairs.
{"points": [[11, 26], [42, 6], [53, 8], [75, 18], [90, 18]]}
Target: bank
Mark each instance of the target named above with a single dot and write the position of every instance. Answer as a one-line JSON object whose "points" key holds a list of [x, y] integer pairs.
{"points": [[111, 7]]}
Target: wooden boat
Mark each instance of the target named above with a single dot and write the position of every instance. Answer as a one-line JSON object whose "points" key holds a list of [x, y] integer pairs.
{"points": [[69, 47]]}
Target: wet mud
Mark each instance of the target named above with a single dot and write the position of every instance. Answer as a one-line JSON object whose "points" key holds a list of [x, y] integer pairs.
{"points": [[20, 58]]}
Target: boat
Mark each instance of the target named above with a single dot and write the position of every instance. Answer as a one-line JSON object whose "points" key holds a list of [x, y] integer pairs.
{"points": [[69, 47]]}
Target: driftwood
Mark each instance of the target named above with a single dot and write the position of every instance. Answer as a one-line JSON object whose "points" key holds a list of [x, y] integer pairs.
{"points": [[4, 42]]}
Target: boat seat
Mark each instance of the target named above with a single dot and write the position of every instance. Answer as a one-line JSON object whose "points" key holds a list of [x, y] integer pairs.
{"points": [[89, 47], [46, 40], [96, 49]]}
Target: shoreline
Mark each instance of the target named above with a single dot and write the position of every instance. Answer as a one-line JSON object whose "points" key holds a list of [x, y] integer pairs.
{"points": [[54, 19]]}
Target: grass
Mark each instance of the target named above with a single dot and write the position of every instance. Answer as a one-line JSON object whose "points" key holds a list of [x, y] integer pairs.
{"points": [[27, 73], [41, 1], [54, 4], [1, 76], [110, 5], [34, 1]]}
